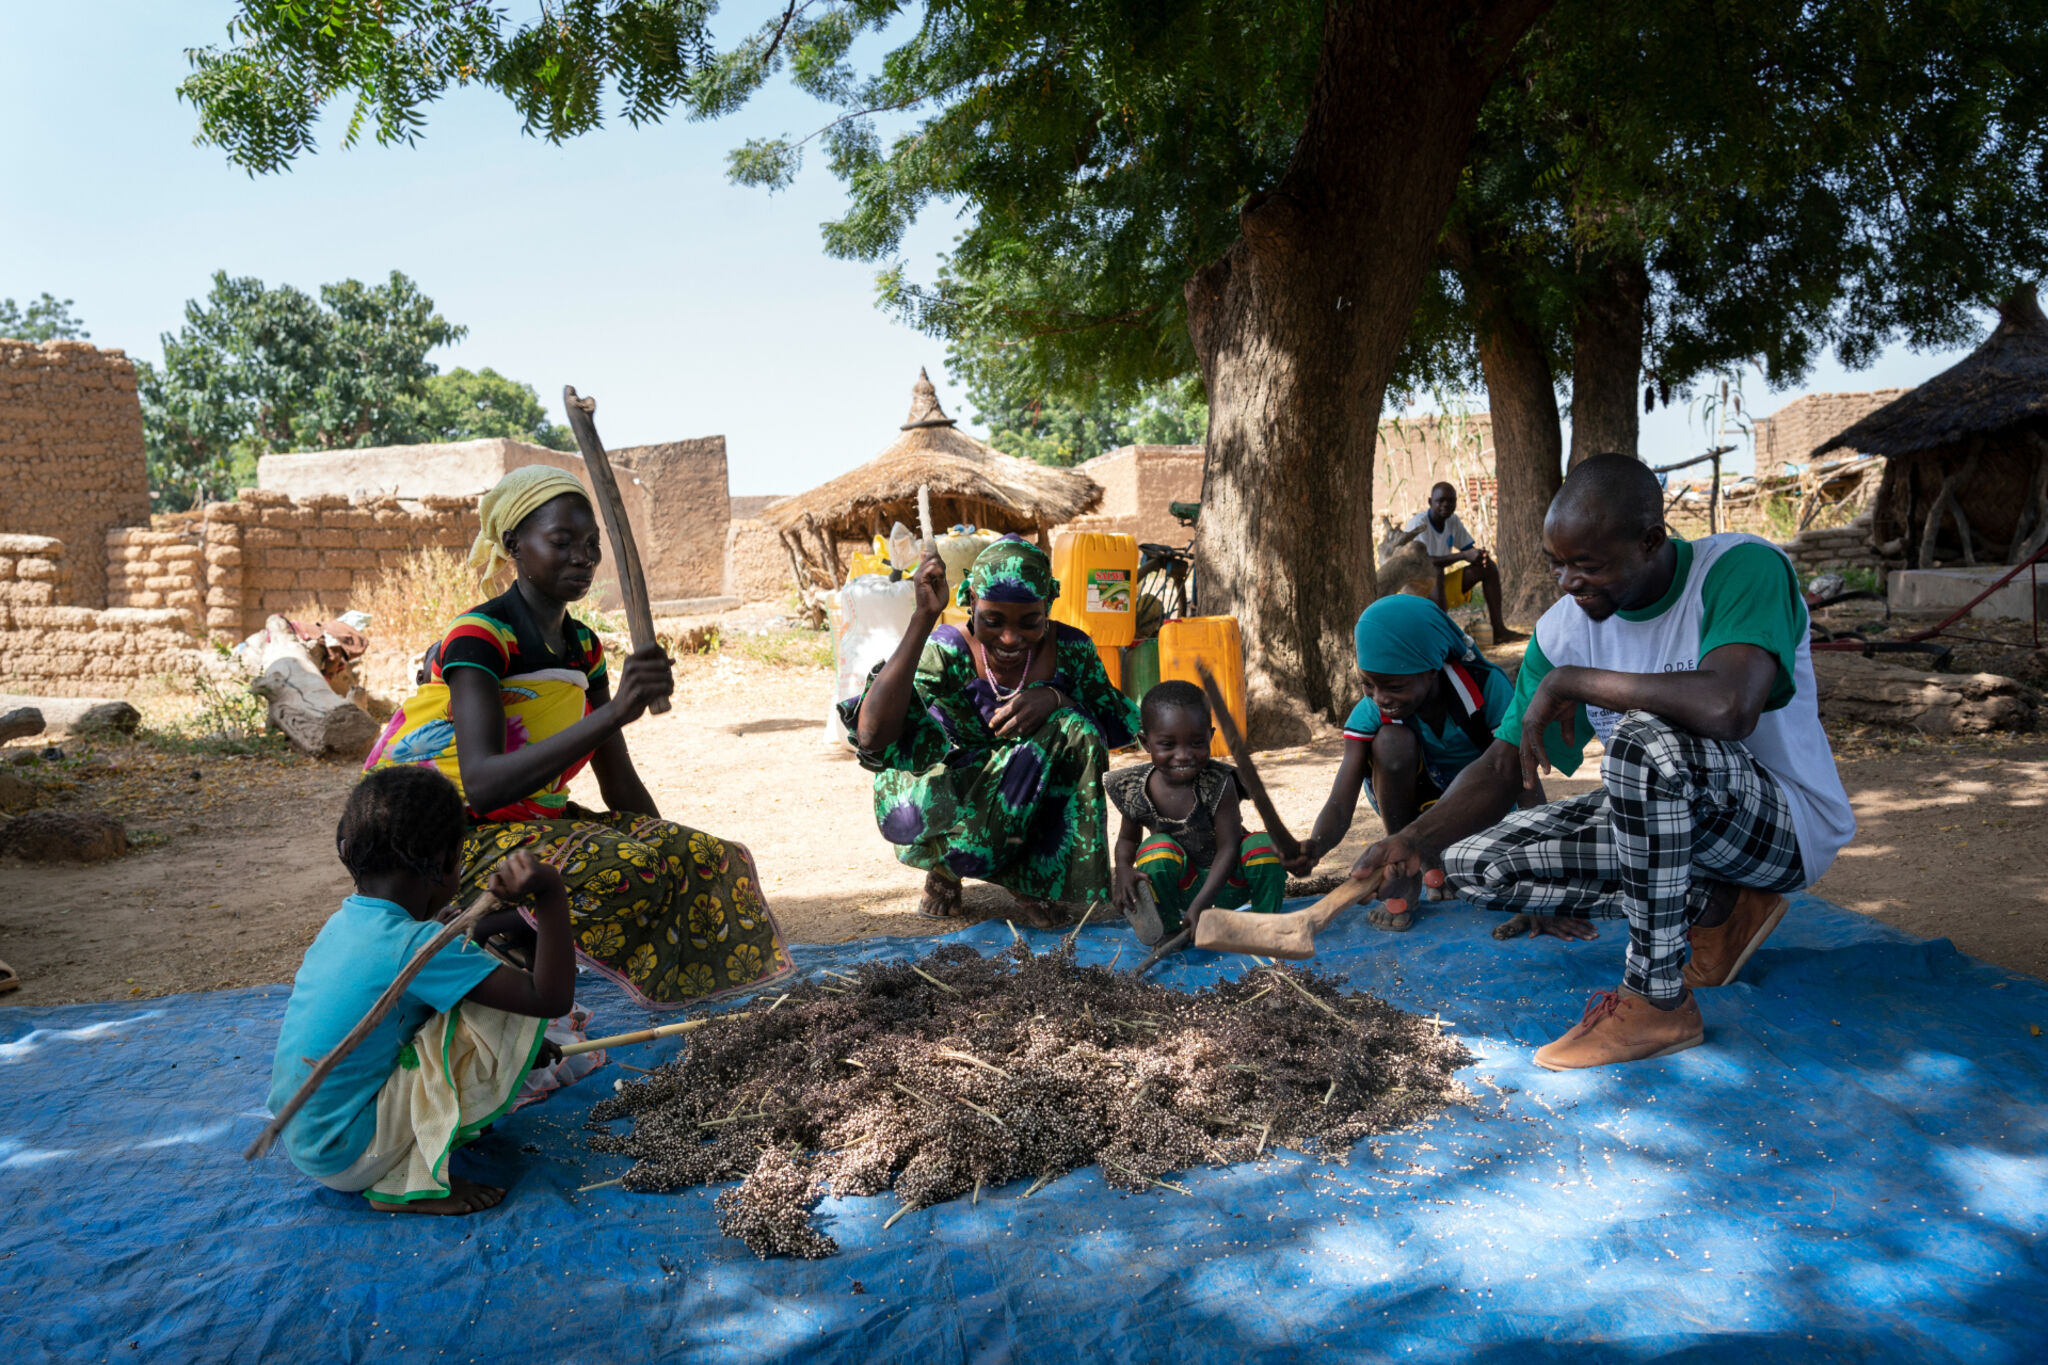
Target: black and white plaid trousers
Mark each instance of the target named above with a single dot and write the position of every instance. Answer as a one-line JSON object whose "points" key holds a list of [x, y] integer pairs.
{"points": [[1675, 814]]}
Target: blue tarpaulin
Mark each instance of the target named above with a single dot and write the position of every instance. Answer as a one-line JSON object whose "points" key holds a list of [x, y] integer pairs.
{"points": [[1855, 1167]]}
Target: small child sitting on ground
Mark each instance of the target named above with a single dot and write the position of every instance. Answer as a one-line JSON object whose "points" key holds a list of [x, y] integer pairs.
{"points": [[1198, 853], [449, 1057]]}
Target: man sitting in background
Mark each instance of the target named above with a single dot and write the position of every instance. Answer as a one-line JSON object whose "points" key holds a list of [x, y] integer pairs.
{"points": [[1461, 564]]}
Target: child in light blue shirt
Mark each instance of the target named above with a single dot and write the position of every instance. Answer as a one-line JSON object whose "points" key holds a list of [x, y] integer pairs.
{"points": [[449, 1057]]}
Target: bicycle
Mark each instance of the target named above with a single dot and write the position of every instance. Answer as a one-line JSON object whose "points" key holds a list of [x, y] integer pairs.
{"points": [[1166, 577]]}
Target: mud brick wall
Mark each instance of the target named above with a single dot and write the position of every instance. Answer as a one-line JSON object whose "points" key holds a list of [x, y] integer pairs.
{"points": [[71, 455], [1840, 547], [1789, 435], [161, 566], [34, 571], [265, 552], [55, 650], [756, 562], [681, 536]]}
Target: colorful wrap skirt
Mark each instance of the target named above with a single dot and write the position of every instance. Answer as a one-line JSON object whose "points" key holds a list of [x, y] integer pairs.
{"points": [[674, 915]]}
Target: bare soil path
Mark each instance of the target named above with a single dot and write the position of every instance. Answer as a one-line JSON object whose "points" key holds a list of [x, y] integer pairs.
{"points": [[237, 870]]}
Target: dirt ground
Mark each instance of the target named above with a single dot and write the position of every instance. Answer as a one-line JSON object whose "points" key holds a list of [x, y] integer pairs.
{"points": [[235, 868]]}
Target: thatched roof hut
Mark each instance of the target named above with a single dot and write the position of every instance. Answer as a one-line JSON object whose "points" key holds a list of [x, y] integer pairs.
{"points": [[969, 482], [1966, 453]]}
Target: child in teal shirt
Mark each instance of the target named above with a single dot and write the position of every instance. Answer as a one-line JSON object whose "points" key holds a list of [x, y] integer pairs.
{"points": [[1431, 705], [449, 1058]]}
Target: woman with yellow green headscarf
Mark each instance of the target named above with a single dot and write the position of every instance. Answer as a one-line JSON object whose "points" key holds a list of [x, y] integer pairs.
{"points": [[988, 742], [515, 700]]}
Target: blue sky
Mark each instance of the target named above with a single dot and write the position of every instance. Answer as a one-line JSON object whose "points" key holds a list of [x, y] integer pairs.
{"points": [[622, 262]]}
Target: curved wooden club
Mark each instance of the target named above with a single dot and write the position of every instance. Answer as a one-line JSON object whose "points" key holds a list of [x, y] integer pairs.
{"points": [[632, 582], [1291, 936], [1247, 772]]}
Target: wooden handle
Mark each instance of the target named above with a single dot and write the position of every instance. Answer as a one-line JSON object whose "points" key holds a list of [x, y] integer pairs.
{"points": [[1166, 948], [646, 1035], [1347, 893], [632, 582], [1247, 773]]}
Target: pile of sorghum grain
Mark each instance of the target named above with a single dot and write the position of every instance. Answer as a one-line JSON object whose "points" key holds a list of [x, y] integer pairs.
{"points": [[960, 1071]]}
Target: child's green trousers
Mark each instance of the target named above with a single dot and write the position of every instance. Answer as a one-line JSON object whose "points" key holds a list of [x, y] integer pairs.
{"points": [[1257, 885]]}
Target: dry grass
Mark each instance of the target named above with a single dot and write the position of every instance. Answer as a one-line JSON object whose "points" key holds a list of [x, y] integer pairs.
{"points": [[777, 648], [410, 606]]}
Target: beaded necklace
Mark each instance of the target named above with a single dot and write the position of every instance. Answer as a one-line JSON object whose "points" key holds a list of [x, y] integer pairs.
{"points": [[1023, 679]]}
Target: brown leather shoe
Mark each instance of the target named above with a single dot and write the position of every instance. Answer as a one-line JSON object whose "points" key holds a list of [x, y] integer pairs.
{"points": [[1718, 953], [1619, 1027]]}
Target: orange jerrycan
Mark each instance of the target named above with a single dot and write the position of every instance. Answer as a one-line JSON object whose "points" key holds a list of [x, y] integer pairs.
{"points": [[1215, 641], [1112, 664], [1098, 574]]}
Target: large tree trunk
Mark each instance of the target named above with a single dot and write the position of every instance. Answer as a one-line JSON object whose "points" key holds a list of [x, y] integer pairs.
{"points": [[1298, 327], [1607, 358], [1528, 458]]}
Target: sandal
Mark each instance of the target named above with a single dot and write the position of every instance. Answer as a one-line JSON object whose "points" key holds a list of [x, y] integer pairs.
{"points": [[1384, 916], [1142, 914], [941, 899], [9, 979]]}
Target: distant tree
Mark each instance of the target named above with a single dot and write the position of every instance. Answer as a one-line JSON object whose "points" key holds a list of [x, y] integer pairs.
{"points": [[1024, 418], [466, 406], [44, 319], [256, 370]]}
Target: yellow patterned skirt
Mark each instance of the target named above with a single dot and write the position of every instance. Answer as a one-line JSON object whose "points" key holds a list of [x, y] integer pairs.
{"points": [[674, 915]]}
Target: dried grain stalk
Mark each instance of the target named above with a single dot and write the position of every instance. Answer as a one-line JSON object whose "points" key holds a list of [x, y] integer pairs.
{"points": [[863, 1091]]}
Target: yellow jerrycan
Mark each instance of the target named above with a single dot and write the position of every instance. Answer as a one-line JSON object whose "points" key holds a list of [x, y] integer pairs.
{"points": [[1215, 641], [1098, 574]]}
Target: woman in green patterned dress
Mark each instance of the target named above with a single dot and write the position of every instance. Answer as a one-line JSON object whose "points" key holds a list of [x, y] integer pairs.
{"points": [[988, 744], [512, 703]]}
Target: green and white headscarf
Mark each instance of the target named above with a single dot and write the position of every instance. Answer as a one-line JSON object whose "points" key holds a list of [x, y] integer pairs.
{"points": [[1009, 570]]}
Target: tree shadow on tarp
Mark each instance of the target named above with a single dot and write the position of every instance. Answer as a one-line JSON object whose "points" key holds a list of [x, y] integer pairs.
{"points": [[1853, 1168]]}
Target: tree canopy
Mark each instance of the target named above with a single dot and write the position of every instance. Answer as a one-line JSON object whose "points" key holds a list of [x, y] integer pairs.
{"points": [[465, 406], [42, 319], [257, 370], [1643, 193]]}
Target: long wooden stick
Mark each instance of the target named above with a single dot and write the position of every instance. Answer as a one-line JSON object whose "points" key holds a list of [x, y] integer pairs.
{"points": [[632, 582], [1166, 946], [1247, 773], [647, 1035], [483, 905]]}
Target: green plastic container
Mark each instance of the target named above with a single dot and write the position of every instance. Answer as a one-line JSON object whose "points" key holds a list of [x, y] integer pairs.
{"points": [[1141, 668]]}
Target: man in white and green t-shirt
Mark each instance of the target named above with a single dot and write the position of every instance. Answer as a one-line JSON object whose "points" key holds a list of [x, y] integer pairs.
{"points": [[1719, 791]]}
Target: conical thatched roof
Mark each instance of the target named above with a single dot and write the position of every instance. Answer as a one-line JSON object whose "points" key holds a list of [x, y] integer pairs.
{"points": [[2000, 384], [985, 486]]}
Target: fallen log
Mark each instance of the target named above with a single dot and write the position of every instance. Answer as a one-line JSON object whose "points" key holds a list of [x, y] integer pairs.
{"points": [[313, 716], [1872, 691], [67, 716]]}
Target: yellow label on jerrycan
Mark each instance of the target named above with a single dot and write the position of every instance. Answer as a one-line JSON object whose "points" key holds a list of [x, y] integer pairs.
{"points": [[1098, 574], [1215, 641]]}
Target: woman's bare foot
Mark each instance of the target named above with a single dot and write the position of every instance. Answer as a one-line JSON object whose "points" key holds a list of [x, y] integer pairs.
{"points": [[464, 1196], [1040, 914], [941, 898], [1552, 926]]}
